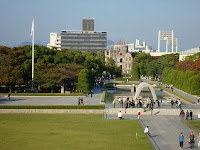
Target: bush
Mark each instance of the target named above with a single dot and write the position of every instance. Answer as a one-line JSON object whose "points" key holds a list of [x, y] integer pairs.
{"points": [[135, 73], [85, 80], [188, 81]]}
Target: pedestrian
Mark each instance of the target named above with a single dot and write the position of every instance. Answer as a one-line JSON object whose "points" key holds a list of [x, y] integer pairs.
{"points": [[79, 101], [138, 115], [114, 103], [182, 114], [146, 130], [181, 140], [120, 115], [91, 92], [8, 95], [198, 141], [191, 140], [82, 100], [191, 114], [172, 103], [187, 115]]}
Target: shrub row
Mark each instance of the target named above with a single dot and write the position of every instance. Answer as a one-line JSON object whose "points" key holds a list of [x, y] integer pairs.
{"points": [[188, 81]]}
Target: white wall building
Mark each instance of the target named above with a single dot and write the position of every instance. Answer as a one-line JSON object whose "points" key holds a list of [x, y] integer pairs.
{"points": [[55, 42], [137, 47], [184, 54]]}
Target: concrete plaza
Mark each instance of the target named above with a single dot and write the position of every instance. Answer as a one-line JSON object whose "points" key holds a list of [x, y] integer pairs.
{"points": [[52, 100]]}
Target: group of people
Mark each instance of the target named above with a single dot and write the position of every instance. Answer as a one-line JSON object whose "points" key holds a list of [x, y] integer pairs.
{"points": [[191, 140], [187, 115], [120, 115], [175, 103], [138, 103], [170, 87]]}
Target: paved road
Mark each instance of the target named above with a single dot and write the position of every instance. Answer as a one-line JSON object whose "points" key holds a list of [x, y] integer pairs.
{"points": [[165, 131], [49, 100]]}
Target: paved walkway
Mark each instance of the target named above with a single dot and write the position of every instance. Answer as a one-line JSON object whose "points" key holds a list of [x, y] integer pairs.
{"points": [[165, 131], [184, 94], [52, 100]]}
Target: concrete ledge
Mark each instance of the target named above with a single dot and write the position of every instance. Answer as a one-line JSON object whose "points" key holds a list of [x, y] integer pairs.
{"points": [[134, 111], [51, 111]]}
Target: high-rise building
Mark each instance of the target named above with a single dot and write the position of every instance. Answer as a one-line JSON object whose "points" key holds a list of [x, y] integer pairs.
{"points": [[88, 25], [78, 40], [85, 40]]}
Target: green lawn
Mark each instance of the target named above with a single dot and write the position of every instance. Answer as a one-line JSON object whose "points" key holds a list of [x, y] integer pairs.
{"points": [[193, 124], [71, 132]]}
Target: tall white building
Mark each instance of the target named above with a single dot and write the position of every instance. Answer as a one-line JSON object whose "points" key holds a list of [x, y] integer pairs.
{"points": [[55, 42], [137, 47]]}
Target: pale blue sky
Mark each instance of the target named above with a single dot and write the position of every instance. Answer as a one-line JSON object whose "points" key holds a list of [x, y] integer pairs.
{"points": [[122, 19]]}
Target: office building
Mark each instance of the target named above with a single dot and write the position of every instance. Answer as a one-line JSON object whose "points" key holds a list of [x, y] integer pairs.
{"points": [[85, 40], [55, 42], [88, 25]]}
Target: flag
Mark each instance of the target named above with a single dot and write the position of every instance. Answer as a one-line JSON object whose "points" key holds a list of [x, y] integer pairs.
{"points": [[32, 28]]}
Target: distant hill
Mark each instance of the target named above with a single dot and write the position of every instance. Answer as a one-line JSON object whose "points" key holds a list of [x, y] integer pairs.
{"points": [[40, 43], [110, 42]]}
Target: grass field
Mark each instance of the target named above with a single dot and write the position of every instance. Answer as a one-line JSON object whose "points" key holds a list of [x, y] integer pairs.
{"points": [[71, 132], [193, 124]]}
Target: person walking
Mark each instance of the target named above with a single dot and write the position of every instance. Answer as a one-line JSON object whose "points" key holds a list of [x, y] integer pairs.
{"points": [[146, 130], [82, 101], [187, 115], [79, 100], [191, 114], [120, 115], [198, 141], [138, 115], [191, 140], [91, 92], [181, 140], [8, 95]]}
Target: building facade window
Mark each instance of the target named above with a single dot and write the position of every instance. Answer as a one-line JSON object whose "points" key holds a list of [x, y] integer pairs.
{"points": [[120, 59]]}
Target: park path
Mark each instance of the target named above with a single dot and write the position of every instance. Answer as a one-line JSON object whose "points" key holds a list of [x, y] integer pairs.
{"points": [[52, 100], [165, 131]]}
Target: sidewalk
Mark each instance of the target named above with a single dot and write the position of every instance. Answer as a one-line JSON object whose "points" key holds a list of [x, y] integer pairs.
{"points": [[184, 94], [53, 100], [165, 131]]}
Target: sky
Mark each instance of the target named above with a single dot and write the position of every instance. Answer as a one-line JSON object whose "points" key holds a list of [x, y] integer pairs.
{"points": [[122, 19]]}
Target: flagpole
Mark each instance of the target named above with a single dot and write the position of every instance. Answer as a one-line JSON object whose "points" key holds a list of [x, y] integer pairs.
{"points": [[32, 52]]}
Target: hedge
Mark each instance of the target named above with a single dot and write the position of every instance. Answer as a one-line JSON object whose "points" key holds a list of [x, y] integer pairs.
{"points": [[188, 81], [135, 73], [85, 80]]}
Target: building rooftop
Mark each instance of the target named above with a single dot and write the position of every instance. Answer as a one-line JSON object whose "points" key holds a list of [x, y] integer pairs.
{"points": [[80, 31], [191, 51]]}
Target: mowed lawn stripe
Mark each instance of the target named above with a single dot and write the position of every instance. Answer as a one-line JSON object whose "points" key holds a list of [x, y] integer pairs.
{"points": [[69, 131]]}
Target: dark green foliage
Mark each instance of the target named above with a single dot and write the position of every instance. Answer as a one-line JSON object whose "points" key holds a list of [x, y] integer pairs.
{"points": [[52, 68], [85, 80], [112, 69], [188, 81], [135, 73], [142, 60]]}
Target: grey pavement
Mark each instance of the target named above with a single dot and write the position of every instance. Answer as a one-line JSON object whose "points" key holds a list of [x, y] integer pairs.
{"points": [[165, 131], [52, 100]]}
